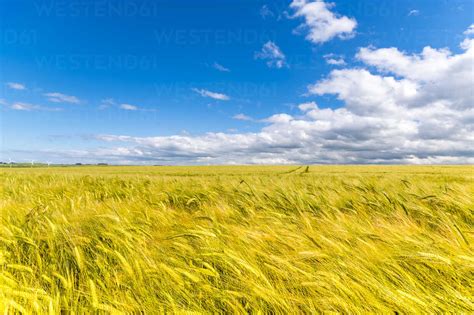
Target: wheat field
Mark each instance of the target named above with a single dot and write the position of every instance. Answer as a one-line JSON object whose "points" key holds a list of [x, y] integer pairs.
{"points": [[235, 239]]}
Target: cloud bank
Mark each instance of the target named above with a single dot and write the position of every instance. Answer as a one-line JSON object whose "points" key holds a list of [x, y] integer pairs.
{"points": [[398, 108]]}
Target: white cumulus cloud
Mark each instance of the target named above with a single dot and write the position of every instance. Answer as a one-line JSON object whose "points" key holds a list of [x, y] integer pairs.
{"points": [[272, 54], [56, 97], [438, 74], [213, 95], [21, 106], [304, 107], [265, 12], [242, 117], [16, 86], [334, 60], [220, 67], [106, 103], [24, 106], [470, 30], [128, 107], [321, 23]]}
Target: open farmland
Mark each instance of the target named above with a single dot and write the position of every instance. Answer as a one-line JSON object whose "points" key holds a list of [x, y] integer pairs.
{"points": [[257, 239]]}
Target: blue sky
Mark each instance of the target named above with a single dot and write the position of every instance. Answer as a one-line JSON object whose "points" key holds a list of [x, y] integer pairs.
{"points": [[216, 82]]}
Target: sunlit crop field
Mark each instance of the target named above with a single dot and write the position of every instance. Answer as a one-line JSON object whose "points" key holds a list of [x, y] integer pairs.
{"points": [[260, 239]]}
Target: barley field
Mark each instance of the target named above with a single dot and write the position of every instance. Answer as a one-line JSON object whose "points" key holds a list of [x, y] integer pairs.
{"points": [[235, 239]]}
